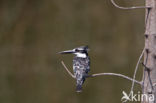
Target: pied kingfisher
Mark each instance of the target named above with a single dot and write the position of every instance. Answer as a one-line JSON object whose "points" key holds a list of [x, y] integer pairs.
{"points": [[81, 64]]}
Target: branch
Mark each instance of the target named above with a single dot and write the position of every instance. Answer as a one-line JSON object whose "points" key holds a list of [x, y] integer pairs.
{"points": [[128, 8], [114, 74], [101, 74], [67, 70], [136, 69], [134, 75]]}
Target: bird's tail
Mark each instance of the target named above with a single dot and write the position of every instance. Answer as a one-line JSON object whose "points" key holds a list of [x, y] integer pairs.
{"points": [[78, 88]]}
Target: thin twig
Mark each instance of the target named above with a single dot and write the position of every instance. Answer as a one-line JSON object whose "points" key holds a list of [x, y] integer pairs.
{"points": [[67, 70], [101, 74], [127, 8], [134, 75], [136, 69], [115, 74]]}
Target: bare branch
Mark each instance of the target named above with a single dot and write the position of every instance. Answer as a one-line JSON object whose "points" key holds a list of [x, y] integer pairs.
{"points": [[67, 70], [134, 75], [128, 8], [115, 74], [136, 69], [101, 74]]}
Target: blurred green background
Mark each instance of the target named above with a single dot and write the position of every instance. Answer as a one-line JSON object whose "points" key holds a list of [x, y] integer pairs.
{"points": [[33, 31]]}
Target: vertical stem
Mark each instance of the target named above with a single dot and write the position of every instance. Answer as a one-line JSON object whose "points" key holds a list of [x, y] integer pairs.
{"points": [[149, 77]]}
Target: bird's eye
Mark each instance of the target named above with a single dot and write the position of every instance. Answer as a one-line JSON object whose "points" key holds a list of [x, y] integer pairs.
{"points": [[76, 50]]}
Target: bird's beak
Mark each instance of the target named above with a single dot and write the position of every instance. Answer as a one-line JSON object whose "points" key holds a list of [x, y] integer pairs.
{"points": [[67, 52]]}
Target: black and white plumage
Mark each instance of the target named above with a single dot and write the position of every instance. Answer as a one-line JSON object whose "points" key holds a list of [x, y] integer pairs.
{"points": [[81, 65]]}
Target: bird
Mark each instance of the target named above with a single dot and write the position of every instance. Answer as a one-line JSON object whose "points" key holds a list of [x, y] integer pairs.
{"points": [[81, 64]]}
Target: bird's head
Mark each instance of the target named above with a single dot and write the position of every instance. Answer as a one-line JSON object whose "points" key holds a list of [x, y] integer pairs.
{"points": [[81, 51]]}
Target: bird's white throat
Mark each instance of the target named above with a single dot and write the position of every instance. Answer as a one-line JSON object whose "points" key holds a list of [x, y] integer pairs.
{"points": [[81, 55]]}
